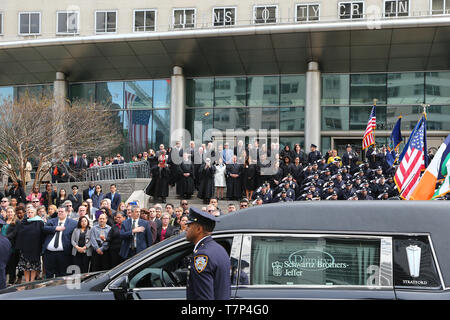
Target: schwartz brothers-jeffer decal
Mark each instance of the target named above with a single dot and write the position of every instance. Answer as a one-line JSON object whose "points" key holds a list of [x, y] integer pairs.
{"points": [[305, 260]]}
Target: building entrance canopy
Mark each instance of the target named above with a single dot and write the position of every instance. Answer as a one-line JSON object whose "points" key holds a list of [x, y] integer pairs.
{"points": [[402, 44]]}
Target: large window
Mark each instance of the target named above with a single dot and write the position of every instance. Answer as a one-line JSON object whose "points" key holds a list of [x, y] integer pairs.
{"points": [[106, 21], [351, 117], [256, 102], [144, 20], [437, 87], [335, 88], [67, 22], [396, 8], [265, 14], [366, 87], [6, 93], [184, 18], [230, 91], [307, 12], [293, 90], [312, 261], [200, 92], [405, 88], [224, 16], [440, 6], [141, 106], [263, 91], [36, 91], [29, 23], [82, 91]]}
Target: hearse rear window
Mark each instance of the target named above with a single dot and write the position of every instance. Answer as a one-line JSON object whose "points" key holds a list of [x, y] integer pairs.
{"points": [[314, 261], [413, 263]]}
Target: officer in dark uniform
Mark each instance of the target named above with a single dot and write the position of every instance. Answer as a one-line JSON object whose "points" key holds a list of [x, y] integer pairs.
{"points": [[5, 248], [209, 269], [314, 155]]}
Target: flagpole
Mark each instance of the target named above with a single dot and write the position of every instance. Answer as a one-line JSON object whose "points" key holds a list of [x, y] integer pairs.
{"points": [[375, 104]]}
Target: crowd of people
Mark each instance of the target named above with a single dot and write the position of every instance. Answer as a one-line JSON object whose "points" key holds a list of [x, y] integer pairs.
{"points": [[97, 230], [51, 231], [264, 175]]}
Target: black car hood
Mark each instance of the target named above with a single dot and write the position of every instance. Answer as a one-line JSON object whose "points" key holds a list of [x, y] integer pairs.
{"points": [[61, 282]]}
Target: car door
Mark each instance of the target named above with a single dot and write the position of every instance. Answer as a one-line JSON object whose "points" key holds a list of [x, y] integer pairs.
{"points": [[308, 266], [164, 274]]}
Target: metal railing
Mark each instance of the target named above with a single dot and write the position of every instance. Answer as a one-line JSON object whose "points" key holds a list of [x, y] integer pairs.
{"points": [[138, 169]]}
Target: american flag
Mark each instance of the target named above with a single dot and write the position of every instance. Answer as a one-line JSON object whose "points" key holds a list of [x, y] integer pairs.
{"points": [[138, 120], [407, 175], [369, 138]]}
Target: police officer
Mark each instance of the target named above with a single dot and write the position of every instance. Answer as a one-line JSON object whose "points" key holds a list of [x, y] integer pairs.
{"points": [[209, 268]]}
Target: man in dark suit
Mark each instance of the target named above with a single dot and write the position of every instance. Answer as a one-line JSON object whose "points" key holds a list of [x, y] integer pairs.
{"points": [[48, 197], [114, 196], [87, 193], [57, 248], [84, 163], [74, 162], [136, 235]]}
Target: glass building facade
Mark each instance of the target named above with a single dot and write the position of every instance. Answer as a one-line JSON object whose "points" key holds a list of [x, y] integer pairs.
{"points": [[347, 98], [265, 102], [254, 102]]}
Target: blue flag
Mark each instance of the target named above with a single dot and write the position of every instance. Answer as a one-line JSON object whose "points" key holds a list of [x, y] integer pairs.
{"points": [[396, 139]]}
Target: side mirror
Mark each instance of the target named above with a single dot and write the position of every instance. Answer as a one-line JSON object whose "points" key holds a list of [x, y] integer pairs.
{"points": [[121, 288]]}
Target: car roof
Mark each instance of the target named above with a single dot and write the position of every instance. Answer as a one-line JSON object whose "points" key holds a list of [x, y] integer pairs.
{"points": [[351, 217]]}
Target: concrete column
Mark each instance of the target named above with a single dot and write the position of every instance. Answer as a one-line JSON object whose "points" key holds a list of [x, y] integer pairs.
{"points": [[312, 106], [177, 105], [60, 89], [60, 95]]}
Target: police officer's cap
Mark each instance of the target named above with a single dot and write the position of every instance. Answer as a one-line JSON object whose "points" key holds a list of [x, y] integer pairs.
{"points": [[349, 183], [313, 145], [283, 191], [379, 168], [258, 198], [349, 146], [201, 217]]}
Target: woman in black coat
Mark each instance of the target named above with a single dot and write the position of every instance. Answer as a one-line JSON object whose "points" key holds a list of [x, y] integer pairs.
{"points": [[286, 152], [206, 176], [159, 186], [114, 240], [250, 178], [286, 166], [298, 152], [29, 241], [17, 192]]}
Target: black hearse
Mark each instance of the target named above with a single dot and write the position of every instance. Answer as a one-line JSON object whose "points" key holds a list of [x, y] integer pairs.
{"points": [[300, 250]]}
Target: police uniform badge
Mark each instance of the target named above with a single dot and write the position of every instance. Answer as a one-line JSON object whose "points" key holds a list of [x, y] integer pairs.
{"points": [[200, 263]]}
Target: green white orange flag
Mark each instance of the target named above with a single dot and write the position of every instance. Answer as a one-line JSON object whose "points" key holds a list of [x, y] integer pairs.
{"points": [[437, 170]]}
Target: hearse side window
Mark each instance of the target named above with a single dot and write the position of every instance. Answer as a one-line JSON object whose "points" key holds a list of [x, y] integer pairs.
{"points": [[414, 264], [169, 269], [314, 261]]}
